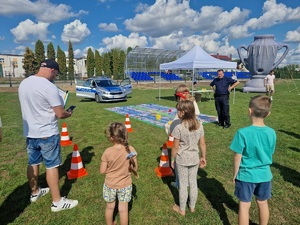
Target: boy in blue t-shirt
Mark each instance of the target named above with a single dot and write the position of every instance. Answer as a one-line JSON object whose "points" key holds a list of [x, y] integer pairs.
{"points": [[253, 148]]}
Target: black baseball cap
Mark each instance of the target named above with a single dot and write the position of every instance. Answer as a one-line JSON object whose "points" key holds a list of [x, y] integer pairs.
{"points": [[50, 63]]}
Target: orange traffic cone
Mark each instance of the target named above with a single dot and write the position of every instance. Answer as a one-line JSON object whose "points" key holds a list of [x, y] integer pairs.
{"points": [[77, 170], [170, 141], [164, 169], [127, 124], [64, 139]]}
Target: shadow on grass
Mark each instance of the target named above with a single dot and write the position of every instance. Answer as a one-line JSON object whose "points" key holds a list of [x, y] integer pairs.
{"points": [[174, 191], [169, 98], [217, 196], [173, 99], [294, 149], [87, 100], [289, 175], [239, 89], [206, 99], [18, 199], [290, 133]]}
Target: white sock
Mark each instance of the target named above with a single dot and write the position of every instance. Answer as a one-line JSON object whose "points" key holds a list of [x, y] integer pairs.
{"points": [[56, 203]]}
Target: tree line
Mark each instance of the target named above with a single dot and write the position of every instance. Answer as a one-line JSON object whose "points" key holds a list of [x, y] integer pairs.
{"points": [[110, 64], [288, 72]]}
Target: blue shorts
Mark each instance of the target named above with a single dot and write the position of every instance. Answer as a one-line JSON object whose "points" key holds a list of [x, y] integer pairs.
{"points": [[123, 194], [245, 190], [44, 149]]}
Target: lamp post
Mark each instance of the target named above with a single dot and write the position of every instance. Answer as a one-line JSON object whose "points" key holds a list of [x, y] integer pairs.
{"points": [[9, 77], [7, 74]]}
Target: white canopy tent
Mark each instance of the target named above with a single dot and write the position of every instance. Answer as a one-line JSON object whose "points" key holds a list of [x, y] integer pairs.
{"points": [[196, 58]]}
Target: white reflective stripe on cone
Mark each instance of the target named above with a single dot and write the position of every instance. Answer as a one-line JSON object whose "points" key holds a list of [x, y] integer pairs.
{"points": [[64, 138], [75, 154], [76, 166], [164, 164]]}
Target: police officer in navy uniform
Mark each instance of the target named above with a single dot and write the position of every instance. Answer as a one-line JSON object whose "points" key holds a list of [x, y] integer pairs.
{"points": [[221, 87]]}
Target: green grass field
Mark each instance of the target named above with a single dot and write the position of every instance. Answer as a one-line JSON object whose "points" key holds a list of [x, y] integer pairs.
{"points": [[153, 197]]}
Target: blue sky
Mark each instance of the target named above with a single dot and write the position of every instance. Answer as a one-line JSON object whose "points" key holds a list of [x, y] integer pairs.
{"points": [[217, 26]]}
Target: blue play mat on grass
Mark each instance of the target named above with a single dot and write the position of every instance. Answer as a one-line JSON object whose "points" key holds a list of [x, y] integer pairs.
{"points": [[147, 113]]}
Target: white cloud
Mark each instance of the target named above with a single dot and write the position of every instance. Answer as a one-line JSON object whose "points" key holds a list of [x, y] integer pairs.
{"points": [[210, 43], [293, 36], [28, 30], [75, 31], [123, 42], [273, 14], [141, 7], [165, 17], [293, 57], [21, 47], [77, 53], [43, 10], [108, 27], [85, 50]]}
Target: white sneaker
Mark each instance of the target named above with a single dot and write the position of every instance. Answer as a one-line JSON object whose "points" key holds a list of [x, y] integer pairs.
{"points": [[271, 98], [42, 192], [64, 204]]}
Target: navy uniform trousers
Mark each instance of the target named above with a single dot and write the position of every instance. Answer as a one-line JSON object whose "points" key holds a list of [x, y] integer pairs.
{"points": [[222, 107]]}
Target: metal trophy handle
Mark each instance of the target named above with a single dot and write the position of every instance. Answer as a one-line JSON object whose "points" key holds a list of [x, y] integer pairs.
{"points": [[283, 56], [240, 55]]}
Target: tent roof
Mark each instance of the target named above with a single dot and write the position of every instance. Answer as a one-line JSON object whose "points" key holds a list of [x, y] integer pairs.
{"points": [[197, 58]]}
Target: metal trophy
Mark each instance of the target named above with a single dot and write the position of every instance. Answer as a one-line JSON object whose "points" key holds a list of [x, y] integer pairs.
{"points": [[260, 60]]}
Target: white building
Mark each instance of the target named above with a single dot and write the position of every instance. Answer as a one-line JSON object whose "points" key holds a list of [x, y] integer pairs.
{"points": [[80, 65], [13, 65]]}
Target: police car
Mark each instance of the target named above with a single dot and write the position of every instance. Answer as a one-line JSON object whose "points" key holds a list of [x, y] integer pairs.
{"points": [[104, 89]]}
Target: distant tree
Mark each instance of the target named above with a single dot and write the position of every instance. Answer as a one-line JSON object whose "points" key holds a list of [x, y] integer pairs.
{"points": [[50, 51], [71, 62], [115, 60], [121, 69], [107, 64], [63, 67], [98, 63], [90, 63], [39, 54], [129, 49], [61, 60], [288, 72], [29, 62]]}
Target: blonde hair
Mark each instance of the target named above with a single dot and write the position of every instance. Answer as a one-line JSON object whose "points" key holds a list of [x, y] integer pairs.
{"points": [[118, 133], [189, 117], [186, 92]]}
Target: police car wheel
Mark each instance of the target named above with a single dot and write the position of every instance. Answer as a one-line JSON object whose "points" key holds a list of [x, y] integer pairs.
{"points": [[97, 97]]}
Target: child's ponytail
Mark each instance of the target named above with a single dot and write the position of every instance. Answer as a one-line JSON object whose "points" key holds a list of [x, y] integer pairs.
{"points": [[132, 165]]}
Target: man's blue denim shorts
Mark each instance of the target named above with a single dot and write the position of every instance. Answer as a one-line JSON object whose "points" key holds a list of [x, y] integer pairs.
{"points": [[44, 149], [245, 190]]}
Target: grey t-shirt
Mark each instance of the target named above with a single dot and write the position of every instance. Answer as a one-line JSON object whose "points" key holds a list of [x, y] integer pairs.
{"points": [[188, 152]]}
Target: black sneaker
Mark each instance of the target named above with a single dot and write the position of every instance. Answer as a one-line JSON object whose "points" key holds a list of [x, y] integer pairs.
{"points": [[227, 126]]}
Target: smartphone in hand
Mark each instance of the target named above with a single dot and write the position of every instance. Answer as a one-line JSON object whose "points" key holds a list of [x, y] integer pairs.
{"points": [[71, 108]]}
